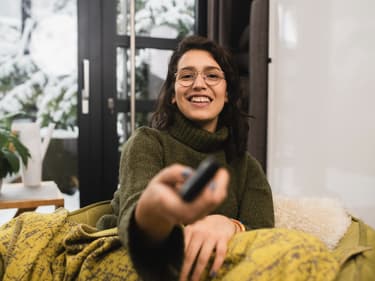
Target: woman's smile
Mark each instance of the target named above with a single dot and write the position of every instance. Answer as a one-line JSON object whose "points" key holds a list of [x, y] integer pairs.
{"points": [[199, 100], [200, 90]]}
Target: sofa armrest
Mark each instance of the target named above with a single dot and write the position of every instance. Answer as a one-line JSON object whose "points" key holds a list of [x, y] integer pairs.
{"points": [[91, 213]]}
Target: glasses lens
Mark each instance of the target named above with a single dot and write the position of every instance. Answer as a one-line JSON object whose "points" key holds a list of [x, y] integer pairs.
{"points": [[212, 77], [186, 77]]}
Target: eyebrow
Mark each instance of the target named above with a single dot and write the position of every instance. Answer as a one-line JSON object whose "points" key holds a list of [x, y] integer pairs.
{"points": [[205, 68]]}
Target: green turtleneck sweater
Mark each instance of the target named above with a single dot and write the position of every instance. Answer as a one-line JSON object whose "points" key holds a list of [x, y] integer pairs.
{"points": [[149, 150]]}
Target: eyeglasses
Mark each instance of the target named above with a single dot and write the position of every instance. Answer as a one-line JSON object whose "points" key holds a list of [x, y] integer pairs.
{"points": [[212, 76]]}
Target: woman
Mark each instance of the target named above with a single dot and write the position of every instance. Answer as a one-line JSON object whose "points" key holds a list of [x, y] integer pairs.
{"points": [[151, 232], [198, 114]]}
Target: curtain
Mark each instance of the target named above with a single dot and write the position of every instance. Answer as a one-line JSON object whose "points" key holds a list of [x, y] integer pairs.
{"points": [[242, 26], [258, 79], [219, 18]]}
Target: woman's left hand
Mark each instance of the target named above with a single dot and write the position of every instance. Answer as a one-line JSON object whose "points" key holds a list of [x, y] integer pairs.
{"points": [[202, 238]]}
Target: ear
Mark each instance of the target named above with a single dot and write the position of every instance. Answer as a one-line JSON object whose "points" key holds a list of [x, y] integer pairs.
{"points": [[173, 99], [226, 97]]}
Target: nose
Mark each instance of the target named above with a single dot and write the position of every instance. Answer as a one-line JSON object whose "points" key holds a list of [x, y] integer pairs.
{"points": [[199, 81]]}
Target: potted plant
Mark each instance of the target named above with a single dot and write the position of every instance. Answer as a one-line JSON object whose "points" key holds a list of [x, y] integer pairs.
{"points": [[11, 149]]}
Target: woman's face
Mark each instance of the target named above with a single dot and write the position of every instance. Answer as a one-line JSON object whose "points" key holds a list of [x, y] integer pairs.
{"points": [[204, 99]]}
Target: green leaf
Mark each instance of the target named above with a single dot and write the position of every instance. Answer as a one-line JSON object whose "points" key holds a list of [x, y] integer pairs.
{"points": [[13, 161], [4, 166], [22, 150], [4, 135]]}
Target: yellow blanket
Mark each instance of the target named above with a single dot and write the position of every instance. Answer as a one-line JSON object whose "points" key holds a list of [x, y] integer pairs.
{"points": [[50, 247]]}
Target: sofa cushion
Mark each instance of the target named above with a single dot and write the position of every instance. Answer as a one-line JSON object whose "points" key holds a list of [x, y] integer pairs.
{"points": [[324, 218]]}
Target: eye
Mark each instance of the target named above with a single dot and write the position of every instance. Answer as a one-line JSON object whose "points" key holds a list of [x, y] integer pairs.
{"points": [[186, 76], [213, 75]]}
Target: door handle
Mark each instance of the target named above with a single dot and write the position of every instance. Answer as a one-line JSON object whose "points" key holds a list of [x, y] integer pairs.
{"points": [[86, 86], [111, 105]]}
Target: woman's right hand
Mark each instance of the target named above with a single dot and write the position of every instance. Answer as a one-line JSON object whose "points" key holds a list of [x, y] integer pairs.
{"points": [[160, 207]]}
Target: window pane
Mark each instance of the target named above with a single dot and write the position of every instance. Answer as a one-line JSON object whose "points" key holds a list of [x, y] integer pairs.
{"points": [[33, 78], [123, 124], [122, 21], [157, 18], [151, 70], [10, 26], [122, 74], [38, 76]]}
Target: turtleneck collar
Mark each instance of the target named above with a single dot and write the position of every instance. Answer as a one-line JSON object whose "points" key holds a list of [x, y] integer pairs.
{"points": [[186, 132]]}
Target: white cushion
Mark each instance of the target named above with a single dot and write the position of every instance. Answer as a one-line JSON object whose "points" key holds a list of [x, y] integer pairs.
{"points": [[324, 218]]}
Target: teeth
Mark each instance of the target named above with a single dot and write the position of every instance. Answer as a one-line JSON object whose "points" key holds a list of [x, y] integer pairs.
{"points": [[199, 99]]}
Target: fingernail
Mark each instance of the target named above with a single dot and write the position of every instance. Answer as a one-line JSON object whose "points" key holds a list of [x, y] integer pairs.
{"points": [[213, 274], [186, 172], [212, 186]]}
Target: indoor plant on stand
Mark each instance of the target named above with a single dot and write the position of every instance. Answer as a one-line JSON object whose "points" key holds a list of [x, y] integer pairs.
{"points": [[11, 149]]}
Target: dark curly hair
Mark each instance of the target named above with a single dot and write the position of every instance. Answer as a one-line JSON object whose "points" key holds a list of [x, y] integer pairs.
{"points": [[231, 116]]}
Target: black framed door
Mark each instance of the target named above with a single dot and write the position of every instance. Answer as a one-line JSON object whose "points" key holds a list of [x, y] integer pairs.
{"points": [[104, 71], [90, 116]]}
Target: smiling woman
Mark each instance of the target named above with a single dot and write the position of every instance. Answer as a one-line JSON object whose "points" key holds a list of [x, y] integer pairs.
{"points": [[200, 89], [197, 116], [224, 95]]}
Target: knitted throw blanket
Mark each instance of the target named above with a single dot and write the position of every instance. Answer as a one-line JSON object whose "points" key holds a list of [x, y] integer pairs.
{"points": [[50, 247]]}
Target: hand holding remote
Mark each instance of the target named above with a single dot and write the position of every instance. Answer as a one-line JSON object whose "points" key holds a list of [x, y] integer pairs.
{"points": [[195, 184]]}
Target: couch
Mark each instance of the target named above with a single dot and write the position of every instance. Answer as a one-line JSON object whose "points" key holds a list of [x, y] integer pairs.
{"points": [[351, 240]]}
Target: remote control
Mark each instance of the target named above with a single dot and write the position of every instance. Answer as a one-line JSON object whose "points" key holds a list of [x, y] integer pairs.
{"points": [[195, 184]]}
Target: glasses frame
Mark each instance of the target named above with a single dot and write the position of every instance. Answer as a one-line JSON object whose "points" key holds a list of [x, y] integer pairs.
{"points": [[204, 77]]}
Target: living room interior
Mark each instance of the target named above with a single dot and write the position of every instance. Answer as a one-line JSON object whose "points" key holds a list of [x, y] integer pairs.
{"points": [[93, 70]]}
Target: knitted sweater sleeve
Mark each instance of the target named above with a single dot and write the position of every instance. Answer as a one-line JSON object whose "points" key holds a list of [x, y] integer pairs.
{"points": [[141, 159], [256, 207]]}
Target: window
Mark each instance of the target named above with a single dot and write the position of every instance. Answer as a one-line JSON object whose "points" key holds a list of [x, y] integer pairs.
{"points": [[38, 76]]}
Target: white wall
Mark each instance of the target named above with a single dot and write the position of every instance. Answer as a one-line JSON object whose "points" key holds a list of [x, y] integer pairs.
{"points": [[322, 101]]}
